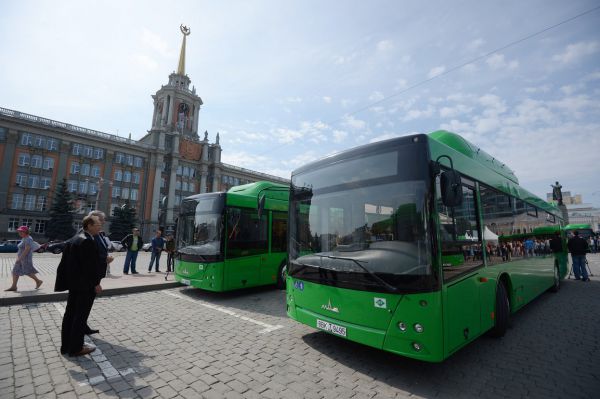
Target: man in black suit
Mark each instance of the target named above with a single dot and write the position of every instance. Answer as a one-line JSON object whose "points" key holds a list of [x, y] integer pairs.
{"points": [[79, 271]]}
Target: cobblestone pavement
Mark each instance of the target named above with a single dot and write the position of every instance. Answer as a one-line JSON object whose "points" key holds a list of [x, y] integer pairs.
{"points": [[185, 343]]}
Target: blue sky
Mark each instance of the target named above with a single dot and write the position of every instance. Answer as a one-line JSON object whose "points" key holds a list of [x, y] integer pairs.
{"points": [[287, 82]]}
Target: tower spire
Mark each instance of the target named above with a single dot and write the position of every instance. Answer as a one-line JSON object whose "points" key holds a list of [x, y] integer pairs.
{"points": [[181, 67]]}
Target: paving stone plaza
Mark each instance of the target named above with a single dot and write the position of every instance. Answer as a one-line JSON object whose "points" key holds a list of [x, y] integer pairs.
{"points": [[186, 343]]}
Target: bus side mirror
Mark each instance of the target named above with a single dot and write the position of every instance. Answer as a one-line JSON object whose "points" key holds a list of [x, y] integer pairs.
{"points": [[261, 206], [451, 188]]}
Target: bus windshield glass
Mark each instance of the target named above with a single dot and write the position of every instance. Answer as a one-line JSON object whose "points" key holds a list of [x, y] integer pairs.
{"points": [[200, 226], [370, 232]]}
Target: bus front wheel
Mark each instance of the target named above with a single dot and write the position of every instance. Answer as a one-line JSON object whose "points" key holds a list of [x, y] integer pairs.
{"points": [[282, 275], [502, 316]]}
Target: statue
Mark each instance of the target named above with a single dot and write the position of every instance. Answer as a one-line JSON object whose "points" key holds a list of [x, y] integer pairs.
{"points": [[206, 135], [556, 193], [217, 137]]}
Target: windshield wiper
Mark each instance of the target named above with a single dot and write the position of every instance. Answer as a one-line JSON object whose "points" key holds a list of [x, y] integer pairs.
{"points": [[384, 283]]}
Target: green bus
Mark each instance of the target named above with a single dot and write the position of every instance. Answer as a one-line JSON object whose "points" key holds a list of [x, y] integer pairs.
{"points": [[585, 230], [224, 243], [396, 245]]}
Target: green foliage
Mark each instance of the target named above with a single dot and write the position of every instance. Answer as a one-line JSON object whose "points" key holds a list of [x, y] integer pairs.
{"points": [[123, 220], [60, 225]]}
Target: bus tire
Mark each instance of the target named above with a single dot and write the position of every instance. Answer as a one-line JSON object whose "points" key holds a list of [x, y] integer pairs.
{"points": [[281, 275], [556, 286], [502, 314]]}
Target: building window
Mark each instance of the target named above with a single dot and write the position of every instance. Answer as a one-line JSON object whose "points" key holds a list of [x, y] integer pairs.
{"points": [[21, 180], [23, 159], [138, 162], [98, 153], [27, 222], [26, 139], [33, 181], [29, 202], [52, 144], [93, 188], [125, 193], [40, 142], [133, 194], [85, 169], [72, 186], [119, 157], [163, 182], [88, 151], [17, 201], [136, 177], [178, 185], [95, 171], [13, 224], [192, 187], [40, 226], [179, 170], [116, 191], [48, 163], [77, 149], [75, 168], [41, 203], [45, 182], [186, 171], [36, 161], [184, 186], [83, 187], [127, 176], [129, 159], [118, 174]]}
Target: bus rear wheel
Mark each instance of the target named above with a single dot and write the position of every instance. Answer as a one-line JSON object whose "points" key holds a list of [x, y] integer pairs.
{"points": [[502, 315], [282, 275]]}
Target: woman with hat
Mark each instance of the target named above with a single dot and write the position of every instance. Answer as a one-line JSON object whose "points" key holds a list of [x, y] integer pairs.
{"points": [[24, 264]]}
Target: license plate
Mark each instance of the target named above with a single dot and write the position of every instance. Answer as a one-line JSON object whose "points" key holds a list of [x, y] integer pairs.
{"points": [[332, 328], [184, 281]]}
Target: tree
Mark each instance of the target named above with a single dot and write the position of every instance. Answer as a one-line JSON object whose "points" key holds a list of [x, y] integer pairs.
{"points": [[124, 219], [60, 225]]}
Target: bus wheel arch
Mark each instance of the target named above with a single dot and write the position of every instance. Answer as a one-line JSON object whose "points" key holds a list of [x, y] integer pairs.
{"points": [[502, 308], [282, 275]]}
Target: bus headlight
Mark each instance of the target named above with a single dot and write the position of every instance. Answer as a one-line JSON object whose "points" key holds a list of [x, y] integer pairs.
{"points": [[418, 328], [416, 346], [402, 326]]}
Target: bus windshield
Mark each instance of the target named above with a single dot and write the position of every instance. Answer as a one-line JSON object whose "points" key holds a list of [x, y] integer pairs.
{"points": [[200, 226], [370, 234]]}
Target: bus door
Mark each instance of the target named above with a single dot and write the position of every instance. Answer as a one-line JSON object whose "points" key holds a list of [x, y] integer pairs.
{"points": [[247, 246], [271, 261], [461, 260]]}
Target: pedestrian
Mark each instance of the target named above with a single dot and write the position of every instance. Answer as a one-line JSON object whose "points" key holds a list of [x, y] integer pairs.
{"points": [[556, 243], [24, 264], [170, 249], [156, 249], [102, 242], [578, 248], [79, 272], [133, 243]]}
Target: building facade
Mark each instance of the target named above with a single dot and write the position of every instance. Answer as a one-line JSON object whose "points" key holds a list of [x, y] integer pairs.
{"points": [[104, 171]]}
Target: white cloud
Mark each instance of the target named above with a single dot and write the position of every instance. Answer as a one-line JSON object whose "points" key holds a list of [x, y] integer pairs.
{"points": [[345, 59], [475, 44], [574, 52], [419, 113], [155, 42], [352, 123], [144, 61], [327, 99], [452, 112], [436, 71], [385, 45], [497, 61], [339, 136], [376, 96]]}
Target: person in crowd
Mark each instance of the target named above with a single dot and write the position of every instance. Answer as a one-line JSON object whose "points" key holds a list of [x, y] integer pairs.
{"points": [[24, 264], [156, 249], [170, 249], [133, 243], [102, 242], [556, 244], [578, 247], [79, 272]]}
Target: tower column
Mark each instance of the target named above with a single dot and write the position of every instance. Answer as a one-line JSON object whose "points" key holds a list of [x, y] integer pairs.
{"points": [[170, 115], [171, 196]]}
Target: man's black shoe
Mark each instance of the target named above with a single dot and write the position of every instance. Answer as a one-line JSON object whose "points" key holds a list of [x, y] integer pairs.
{"points": [[126, 273], [91, 331], [135, 273]]}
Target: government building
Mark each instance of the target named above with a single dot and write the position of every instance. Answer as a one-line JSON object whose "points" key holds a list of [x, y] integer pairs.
{"points": [[103, 171]]}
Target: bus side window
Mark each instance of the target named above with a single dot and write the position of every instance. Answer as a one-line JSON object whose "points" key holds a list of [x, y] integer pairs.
{"points": [[459, 233]]}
